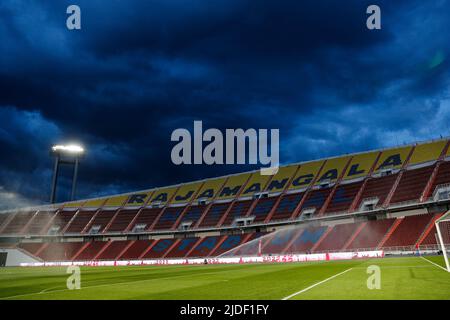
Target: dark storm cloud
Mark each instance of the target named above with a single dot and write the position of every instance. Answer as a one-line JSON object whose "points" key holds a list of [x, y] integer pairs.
{"points": [[140, 69]]}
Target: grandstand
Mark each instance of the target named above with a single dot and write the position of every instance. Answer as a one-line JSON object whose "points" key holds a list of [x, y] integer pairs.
{"points": [[379, 200]]}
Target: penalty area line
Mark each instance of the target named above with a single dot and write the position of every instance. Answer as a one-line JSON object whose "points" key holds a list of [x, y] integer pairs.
{"points": [[316, 284], [434, 263]]}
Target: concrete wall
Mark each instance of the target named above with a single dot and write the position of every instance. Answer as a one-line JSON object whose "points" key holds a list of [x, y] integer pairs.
{"points": [[16, 257]]}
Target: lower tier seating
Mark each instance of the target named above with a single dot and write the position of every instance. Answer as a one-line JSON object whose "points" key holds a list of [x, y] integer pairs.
{"points": [[306, 239], [371, 234], [337, 237], [59, 251], [408, 231]]}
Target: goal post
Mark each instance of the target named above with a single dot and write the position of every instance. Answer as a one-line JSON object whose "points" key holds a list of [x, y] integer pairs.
{"points": [[443, 235]]}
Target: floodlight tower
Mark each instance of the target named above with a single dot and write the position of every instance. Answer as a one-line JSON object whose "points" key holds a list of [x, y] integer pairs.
{"points": [[66, 154]]}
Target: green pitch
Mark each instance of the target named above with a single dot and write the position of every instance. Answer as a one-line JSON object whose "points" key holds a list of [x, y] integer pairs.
{"points": [[401, 278]]}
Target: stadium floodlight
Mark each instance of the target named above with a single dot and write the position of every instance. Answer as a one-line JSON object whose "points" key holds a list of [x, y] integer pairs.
{"points": [[66, 154], [443, 236], [69, 149]]}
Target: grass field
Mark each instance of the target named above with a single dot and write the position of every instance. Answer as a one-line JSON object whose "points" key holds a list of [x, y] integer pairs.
{"points": [[401, 278]]}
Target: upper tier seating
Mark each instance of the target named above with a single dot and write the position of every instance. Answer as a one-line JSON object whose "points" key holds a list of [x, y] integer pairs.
{"points": [[80, 221], [263, 208], [238, 209], [408, 231], [61, 220], [19, 221], [442, 177], [145, 217], [193, 214], [168, 218], [316, 198], [378, 187], [39, 222], [101, 220], [214, 214], [286, 207], [122, 220], [412, 184], [3, 218], [343, 197]]}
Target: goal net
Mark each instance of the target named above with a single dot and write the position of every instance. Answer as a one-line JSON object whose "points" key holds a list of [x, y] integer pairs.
{"points": [[443, 236]]}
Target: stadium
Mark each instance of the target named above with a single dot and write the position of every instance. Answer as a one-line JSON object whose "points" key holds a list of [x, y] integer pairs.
{"points": [[314, 230]]}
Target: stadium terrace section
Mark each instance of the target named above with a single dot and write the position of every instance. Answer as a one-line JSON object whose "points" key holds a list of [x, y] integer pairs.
{"points": [[385, 199]]}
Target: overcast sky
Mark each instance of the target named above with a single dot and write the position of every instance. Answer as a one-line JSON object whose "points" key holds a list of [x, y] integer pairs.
{"points": [[137, 70]]}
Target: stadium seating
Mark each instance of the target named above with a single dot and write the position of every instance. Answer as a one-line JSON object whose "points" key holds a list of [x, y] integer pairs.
{"points": [[371, 234], [80, 221], [412, 184], [229, 243], [286, 207], [205, 247], [214, 214], [19, 221], [337, 237], [408, 231], [31, 247], [113, 250], [238, 209], [182, 248], [193, 214], [316, 198], [378, 187], [158, 249], [122, 220], [91, 250], [59, 251], [168, 218], [306, 239], [343, 197], [137, 249], [277, 243], [443, 175], [262, 209], [61, 220], [145, 218], [39, 222], [177, 218], [100, 221]]}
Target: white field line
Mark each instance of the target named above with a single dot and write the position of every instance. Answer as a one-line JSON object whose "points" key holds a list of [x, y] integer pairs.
{"points": [[316, 284], [434, 264]]}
